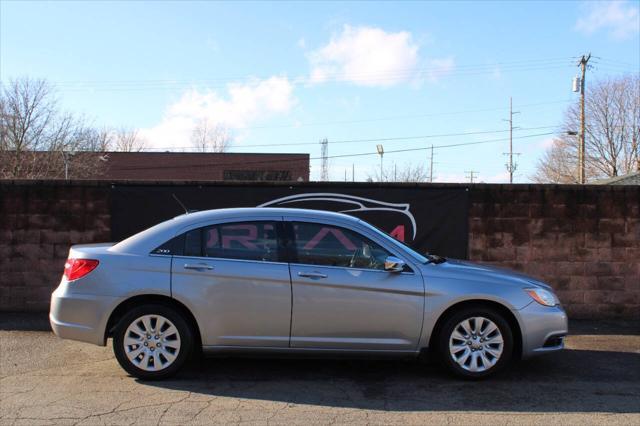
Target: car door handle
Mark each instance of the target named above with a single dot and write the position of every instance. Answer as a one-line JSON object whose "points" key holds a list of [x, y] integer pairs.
{"points": [[198, 266], [312, 275]]}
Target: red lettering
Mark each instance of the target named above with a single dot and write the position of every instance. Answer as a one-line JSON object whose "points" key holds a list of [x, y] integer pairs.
{"points": [[323, 233], [244, 240], [212, 238], [398, 233]]}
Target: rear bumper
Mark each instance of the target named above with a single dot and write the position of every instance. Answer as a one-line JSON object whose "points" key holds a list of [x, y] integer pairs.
{"points": [[543, 329], [80, 317]]}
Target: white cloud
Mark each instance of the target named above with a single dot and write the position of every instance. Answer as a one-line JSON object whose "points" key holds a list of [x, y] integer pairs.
{"points": [[620, 18], [547, 143], [244, 104], [366, 56]]}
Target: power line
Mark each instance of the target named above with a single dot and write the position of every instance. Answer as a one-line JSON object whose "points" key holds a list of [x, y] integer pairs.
{"points": [[397, 71], [362, 154], [527, 62], [397, 117], [460, 70], [389, 139]]}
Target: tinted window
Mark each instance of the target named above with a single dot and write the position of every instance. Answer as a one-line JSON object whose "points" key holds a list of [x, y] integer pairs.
{"points": [[238, 240], [193, 243], [318, 244]]}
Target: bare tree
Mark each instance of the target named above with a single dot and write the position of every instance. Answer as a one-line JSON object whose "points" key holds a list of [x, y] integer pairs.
{"points": [[27, 112], [128, 140], [37, 140], [210, 137], [612, 133], [99, 140], [406, 173]]}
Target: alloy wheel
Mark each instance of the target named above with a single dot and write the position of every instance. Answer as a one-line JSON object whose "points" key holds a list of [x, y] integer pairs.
{"points": [[152, 342], [476, 344]]}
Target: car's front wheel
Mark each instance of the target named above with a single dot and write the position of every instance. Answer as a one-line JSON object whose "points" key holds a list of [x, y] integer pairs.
{"points": [[475, 342], [152, 342]]}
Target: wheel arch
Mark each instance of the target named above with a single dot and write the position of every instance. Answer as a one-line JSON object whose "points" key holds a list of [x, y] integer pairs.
{"points": [[504, 310], [143, 299]]}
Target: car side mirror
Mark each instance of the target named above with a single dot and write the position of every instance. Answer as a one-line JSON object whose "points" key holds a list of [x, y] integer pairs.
{"points": [[393, 264]]}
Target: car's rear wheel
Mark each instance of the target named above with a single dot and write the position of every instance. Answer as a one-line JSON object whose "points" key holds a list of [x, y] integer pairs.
{"points": [[152, 342], [475, 342]]}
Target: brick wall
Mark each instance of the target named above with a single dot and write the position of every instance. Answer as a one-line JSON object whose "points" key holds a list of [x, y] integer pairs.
{"points": [[585, 241], [38, 223]]}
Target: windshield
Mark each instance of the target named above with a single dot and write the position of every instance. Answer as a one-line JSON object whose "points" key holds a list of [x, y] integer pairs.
{"points": [[392, 240]]}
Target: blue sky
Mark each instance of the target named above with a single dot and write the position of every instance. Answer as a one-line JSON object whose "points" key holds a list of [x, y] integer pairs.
{"points": [[293, 73]]}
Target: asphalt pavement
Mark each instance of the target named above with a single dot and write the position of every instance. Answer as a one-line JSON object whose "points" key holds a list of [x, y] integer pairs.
{"points": [[45, 380]]}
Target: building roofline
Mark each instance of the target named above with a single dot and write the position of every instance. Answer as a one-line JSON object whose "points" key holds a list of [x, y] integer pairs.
{"points": [[616, 178], [200, 153]]}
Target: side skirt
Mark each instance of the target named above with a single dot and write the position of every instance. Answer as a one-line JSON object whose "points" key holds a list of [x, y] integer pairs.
{"points": [[252, 351]]}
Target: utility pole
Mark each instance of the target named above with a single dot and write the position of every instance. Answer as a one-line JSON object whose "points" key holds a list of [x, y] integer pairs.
{"points": [[470, 175], [353, 172], [635, 145], [395, 172], [636, 142], [581, 150], [431, 166], [511, 166], [324, 153]]}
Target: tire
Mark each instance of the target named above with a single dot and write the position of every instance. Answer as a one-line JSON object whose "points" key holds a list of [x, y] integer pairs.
{"points": [[153, 356], [472, 355]]}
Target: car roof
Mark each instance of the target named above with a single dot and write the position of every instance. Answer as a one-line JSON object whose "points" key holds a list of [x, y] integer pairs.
{"points": [[152, 237], [213, 214]]}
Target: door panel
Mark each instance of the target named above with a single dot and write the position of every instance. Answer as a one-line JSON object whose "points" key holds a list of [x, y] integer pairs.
{"points": [[237, 303], [351, 307], [234, 279], [355, 309]]}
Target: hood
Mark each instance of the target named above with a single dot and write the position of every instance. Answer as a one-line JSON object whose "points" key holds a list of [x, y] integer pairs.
{"points": [[490, 273]]}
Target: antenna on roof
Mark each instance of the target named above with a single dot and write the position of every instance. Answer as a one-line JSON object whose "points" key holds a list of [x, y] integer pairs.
{"points": [[186, 211]]}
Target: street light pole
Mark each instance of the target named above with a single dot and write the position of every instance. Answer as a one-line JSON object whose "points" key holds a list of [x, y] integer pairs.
{"points": [[65, 158], [380, 149]]}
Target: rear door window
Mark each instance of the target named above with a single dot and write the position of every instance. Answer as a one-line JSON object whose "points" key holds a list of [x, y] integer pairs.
{"points": [[255, 240]]}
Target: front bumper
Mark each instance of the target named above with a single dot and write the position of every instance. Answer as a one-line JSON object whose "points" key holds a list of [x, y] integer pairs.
{"points": [[543, 329], [80, 317]]}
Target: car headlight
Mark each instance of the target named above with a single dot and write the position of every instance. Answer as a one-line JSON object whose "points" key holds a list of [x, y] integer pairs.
{"points": [[542, 296]]}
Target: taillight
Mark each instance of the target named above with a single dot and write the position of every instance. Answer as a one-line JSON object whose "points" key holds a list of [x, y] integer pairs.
{"points": [[78, 268]]}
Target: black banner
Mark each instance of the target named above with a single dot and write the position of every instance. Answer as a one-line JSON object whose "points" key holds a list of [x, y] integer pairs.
{"points": [[428, 219]]}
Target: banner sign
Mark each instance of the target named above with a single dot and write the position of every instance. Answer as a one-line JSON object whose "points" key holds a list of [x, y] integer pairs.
{"points": [[430, 220]]}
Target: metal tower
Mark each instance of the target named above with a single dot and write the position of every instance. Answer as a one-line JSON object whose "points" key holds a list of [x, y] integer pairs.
{"points": [[324, 167]]}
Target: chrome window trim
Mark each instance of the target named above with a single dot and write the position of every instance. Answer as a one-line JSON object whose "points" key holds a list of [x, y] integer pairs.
{"points": [[349, 268], [228, 259], [221, 221]]}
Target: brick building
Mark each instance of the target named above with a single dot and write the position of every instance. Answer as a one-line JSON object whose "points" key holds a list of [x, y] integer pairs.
{"points": [[204, 166], [183, 166]]}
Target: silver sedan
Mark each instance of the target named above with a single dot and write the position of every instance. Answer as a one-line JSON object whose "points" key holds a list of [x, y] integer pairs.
{"points": [[292, 281]]}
